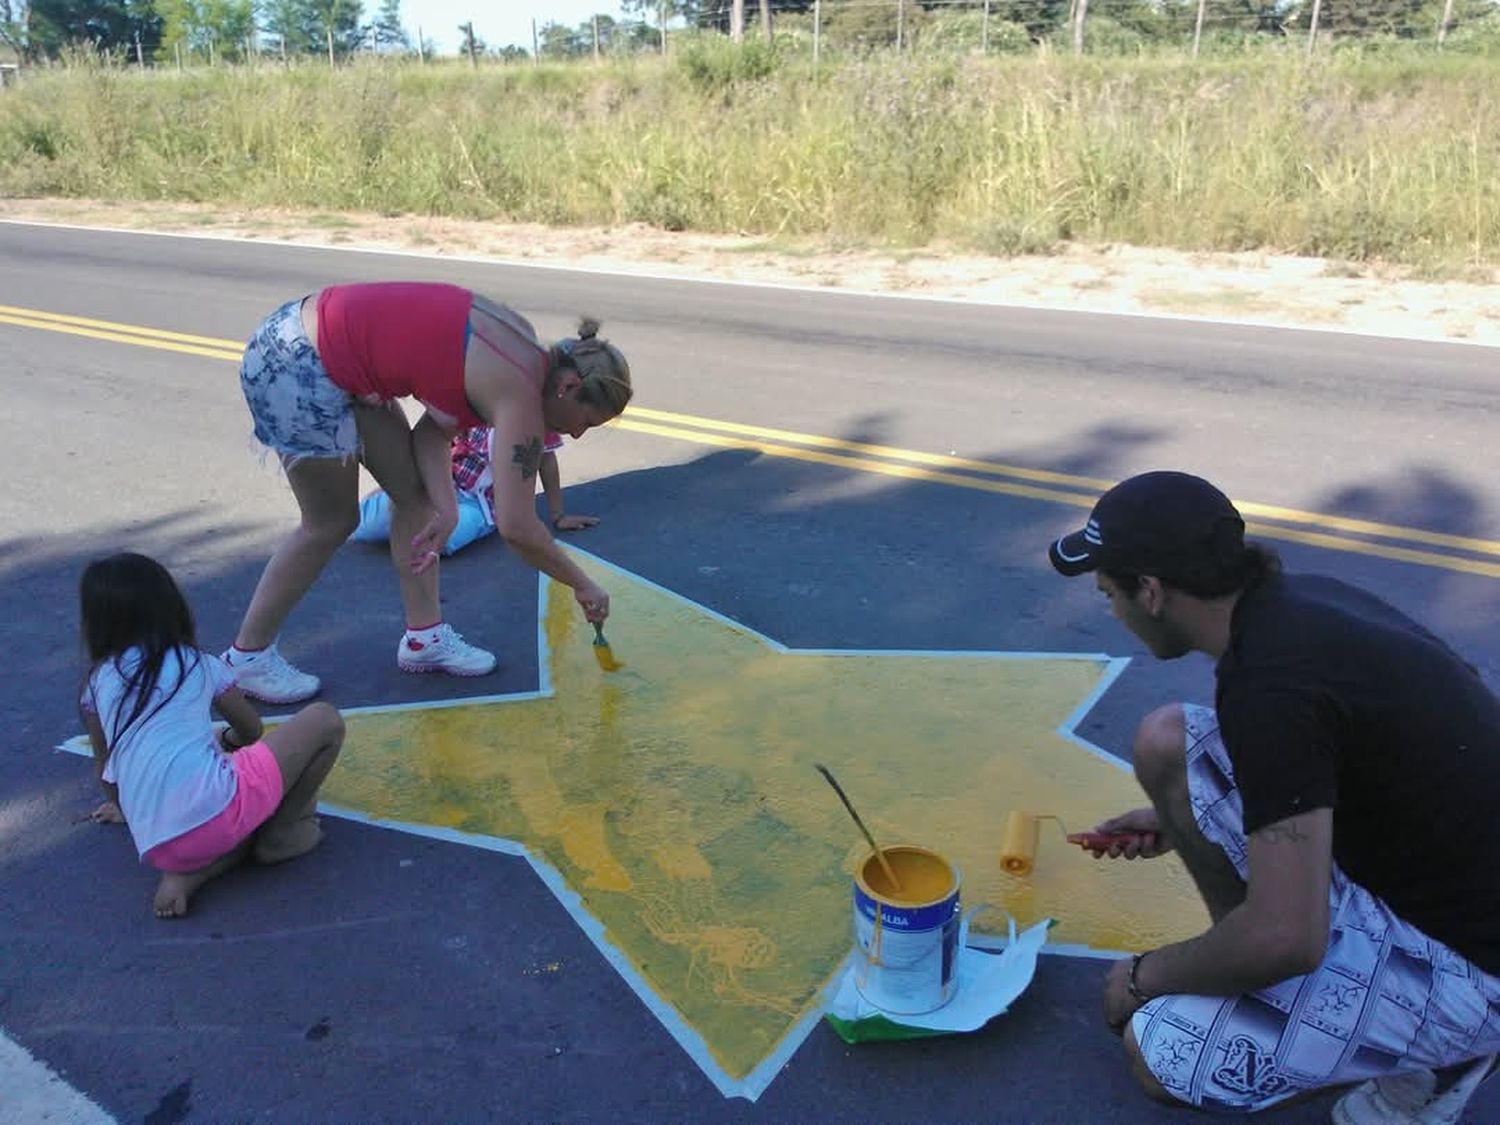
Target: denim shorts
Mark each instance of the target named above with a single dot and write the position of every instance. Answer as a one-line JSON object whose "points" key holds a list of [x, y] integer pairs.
{"points": [[298, 410], [1386, 998]]}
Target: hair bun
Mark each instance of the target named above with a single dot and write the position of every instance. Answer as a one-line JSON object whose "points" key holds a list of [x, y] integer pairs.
{"points": [[588, 327]]}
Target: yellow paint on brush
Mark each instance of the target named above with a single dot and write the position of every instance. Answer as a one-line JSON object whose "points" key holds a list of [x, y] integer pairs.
{"points": [[678, 799]]}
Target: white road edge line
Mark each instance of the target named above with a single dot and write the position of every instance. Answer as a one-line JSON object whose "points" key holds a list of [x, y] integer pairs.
{"points": [[1024, 306]]}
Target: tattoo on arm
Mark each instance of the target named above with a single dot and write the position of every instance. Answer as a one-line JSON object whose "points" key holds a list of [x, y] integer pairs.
{"points": [[1285, 832], [528, 457]]}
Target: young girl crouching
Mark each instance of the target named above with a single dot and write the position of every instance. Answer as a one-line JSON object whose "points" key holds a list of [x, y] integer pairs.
{"points": [[195, 806]]}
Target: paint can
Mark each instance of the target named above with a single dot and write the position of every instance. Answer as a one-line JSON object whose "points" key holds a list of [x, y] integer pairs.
{"points": [[906, 939]]}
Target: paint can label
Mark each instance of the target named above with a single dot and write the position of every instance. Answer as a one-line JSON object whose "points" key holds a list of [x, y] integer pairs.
{"points": [[906, 955]]}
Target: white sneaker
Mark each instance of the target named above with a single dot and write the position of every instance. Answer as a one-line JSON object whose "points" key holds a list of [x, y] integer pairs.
{"points": [[1409, 1098], [449, 653], [266, 675]]}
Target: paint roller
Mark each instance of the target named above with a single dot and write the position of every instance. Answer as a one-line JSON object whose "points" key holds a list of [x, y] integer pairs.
{"points": [[1023, 834]]}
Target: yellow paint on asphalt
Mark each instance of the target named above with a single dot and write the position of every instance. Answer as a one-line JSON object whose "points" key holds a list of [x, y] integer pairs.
{"points": [[678, 798], [1331, 532]]}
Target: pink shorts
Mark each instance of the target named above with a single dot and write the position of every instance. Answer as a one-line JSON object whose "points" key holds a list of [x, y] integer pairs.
{"points": [[255, 798]]}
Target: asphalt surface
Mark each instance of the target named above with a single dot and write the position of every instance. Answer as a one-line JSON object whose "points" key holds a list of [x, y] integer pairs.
{"points": [[394, 978]]}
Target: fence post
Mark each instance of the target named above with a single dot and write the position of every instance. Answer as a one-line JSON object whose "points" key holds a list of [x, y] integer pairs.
{"points": [[421, 46], [661, 24], [536, 48], [984, 34], [1447, 19], [817, 33], [1198, 27], [596, 40], [737, 21], [1312, 28], [900, 25], [1083, 11]]}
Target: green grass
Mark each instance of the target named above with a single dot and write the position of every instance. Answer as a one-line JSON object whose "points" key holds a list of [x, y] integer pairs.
{"points": [[1352, 157]]}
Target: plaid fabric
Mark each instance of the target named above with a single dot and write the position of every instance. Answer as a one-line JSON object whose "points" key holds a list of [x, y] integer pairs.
{"points": [[471, 458]]}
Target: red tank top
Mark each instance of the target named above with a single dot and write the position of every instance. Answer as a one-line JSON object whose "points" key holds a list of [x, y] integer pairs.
{"points": [[398, 339]]}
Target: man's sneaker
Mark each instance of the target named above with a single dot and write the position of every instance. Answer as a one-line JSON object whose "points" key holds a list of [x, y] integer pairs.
{"points": [[447, 652], [1411, 1097], [266, 675]]}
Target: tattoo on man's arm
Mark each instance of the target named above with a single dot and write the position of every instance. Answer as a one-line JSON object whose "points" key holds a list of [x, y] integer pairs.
{"points": [[1285, 832], [528, 457]]}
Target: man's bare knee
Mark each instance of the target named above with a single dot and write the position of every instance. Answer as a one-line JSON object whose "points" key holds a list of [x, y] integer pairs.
{"points": [[1159, 750], [1142, 1073]]}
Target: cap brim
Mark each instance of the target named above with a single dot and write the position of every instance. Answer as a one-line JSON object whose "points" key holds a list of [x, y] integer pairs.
{"points": [[1073, 554]]}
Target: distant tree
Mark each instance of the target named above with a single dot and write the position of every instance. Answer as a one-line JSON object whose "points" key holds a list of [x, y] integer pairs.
{"points": [[14, 18], [208, 28], [387, 32], [511, 53], [1364, 18], [558, 41], [108, 25]]}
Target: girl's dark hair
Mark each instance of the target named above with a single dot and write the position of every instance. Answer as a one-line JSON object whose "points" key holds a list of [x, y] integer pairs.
{"points": [[1225, 570], [131, 601]]}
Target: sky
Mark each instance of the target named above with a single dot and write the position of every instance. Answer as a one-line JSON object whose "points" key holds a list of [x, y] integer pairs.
{"points": [[496, 22]]}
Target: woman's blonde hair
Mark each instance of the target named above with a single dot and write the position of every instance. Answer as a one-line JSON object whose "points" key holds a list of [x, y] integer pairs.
{"points": [[601, 366]]}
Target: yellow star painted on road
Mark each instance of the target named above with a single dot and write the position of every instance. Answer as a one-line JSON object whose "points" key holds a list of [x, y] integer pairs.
{"points": [[677, 797]]}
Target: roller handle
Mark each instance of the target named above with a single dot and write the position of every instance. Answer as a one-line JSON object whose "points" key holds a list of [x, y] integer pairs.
{"points": [[1103, 841]]}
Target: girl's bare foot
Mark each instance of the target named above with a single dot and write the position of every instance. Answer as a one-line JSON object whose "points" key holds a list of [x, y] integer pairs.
{"points": [[301, 837], [174, 891]]}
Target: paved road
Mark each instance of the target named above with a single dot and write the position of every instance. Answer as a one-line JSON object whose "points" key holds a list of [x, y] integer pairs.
{"points": [[398, 978]]}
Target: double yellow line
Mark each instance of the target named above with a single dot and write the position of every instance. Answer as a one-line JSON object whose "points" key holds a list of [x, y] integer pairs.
{"points": [[1337, 533]]}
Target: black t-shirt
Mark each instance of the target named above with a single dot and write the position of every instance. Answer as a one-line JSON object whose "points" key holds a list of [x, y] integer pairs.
{"points": [[1330, 698]]}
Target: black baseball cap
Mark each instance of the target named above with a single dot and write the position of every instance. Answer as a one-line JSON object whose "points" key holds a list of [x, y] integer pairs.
{"points": [[1160, 523]]}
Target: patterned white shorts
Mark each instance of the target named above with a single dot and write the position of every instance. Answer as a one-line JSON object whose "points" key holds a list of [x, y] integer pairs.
{"points": [[1386, 998], [298, 410]]}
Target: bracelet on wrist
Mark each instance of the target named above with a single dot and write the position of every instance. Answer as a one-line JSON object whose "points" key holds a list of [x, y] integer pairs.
{"points": [[1132, 985]]}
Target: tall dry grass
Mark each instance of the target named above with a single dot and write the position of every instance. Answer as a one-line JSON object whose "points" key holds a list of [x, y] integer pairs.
{"points": [[1345, 156]]}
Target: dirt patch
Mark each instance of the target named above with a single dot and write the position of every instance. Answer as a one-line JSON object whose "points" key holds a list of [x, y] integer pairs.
{"points": [[1245, 288]]}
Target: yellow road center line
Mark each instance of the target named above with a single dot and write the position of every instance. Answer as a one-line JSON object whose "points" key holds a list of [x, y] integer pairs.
{"points": [[925, 466], [117, 337], [128, 329], [1077, 500], [1264, 511]]}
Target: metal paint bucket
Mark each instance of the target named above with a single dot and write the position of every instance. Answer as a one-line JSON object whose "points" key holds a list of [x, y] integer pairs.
{"points": [[906, 940]]}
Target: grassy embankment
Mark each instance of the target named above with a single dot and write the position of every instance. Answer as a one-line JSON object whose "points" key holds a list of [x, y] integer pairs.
{"points": [[1349, 157]]}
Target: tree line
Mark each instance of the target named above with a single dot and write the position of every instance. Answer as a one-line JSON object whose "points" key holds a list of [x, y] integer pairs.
{"points": [[229, 30]]}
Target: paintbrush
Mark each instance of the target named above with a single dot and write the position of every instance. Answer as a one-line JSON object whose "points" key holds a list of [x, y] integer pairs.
{"points": [[603, 653], [880, 855]]}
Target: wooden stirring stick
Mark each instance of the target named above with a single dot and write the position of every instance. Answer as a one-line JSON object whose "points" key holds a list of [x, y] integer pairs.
{"points": [[880, 855]]}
